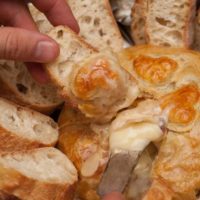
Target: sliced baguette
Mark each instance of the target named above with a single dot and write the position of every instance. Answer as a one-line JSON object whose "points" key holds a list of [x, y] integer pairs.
{"points": [[73, 49], [22, 128], [95, 19], [196, 44], [39, 174], [17, 85], [170, 22], [97, 24], [138, 22]]}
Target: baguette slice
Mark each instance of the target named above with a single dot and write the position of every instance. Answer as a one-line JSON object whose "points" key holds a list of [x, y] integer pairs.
{"points": [[138, 22], [95, 19], [22, 128], [97, 23], [73, 49], [170, 22], [16, 84], [196, 44], [38, 174]]}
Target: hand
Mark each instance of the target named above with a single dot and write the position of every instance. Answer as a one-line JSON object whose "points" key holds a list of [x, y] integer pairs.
{"points": [[20, 39], [114, 196]]}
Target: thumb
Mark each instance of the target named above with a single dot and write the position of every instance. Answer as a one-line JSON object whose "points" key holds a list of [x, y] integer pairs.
{"points": [[113, 196], [28, 46]]}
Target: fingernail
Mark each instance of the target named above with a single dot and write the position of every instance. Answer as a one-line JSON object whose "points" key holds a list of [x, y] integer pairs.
{"points": [[46, 51]]}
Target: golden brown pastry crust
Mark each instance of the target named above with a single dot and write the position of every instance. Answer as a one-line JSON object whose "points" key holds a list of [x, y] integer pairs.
{"points": [[172, 76], [177, 166], [95, 85], [81, 141]]}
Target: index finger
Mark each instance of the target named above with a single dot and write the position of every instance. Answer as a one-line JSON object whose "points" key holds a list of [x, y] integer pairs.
{"points": [[58, 12]]}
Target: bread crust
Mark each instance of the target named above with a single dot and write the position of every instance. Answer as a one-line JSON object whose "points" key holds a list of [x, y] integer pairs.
{"points": [[115, 26], [25, 188], [10, 142], [138, 32]]}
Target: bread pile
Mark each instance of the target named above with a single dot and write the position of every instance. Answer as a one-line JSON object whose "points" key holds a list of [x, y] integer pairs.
{"points": [[143, 98]]}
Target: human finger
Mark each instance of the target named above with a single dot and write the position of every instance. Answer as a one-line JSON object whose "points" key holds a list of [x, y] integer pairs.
{"points": [[27, 46], [58, 12]]}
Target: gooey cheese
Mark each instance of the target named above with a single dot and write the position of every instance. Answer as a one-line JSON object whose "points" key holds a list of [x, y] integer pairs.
{"points": [[134, 136]]}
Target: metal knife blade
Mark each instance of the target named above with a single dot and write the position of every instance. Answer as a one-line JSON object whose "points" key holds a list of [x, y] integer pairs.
{"points": [[118, 171]]}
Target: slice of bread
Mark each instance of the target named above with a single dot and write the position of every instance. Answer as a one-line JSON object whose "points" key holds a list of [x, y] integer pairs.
{"points": [[138, 22], [38, 174], [196, 44], [95, 19], [16, 84], [97, 24], [22, 128], [73, 49], [170, 22]]}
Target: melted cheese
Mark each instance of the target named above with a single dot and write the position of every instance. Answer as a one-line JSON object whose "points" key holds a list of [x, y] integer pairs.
{"points": [[134, 137]]}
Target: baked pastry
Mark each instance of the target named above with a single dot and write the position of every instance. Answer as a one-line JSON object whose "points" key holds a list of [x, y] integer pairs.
{"points": [[86, 145], [175, 171], [22, 128], [43, 173], [169, 75], [91, 81]]}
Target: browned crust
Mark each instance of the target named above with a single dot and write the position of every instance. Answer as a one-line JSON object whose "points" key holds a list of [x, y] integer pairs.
{"points": [[115, 26], [189, 29], [134, 11], [14, 183], [10, 142], [6, 196], [7, 92]]}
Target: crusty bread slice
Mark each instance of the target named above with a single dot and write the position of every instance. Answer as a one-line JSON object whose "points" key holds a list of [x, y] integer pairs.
{"points": [[95, 19], [38, 174], [196, 44], [22, 128], [16, 84], [73, 49], [97, 24], [170, 22], [138, 22]]}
